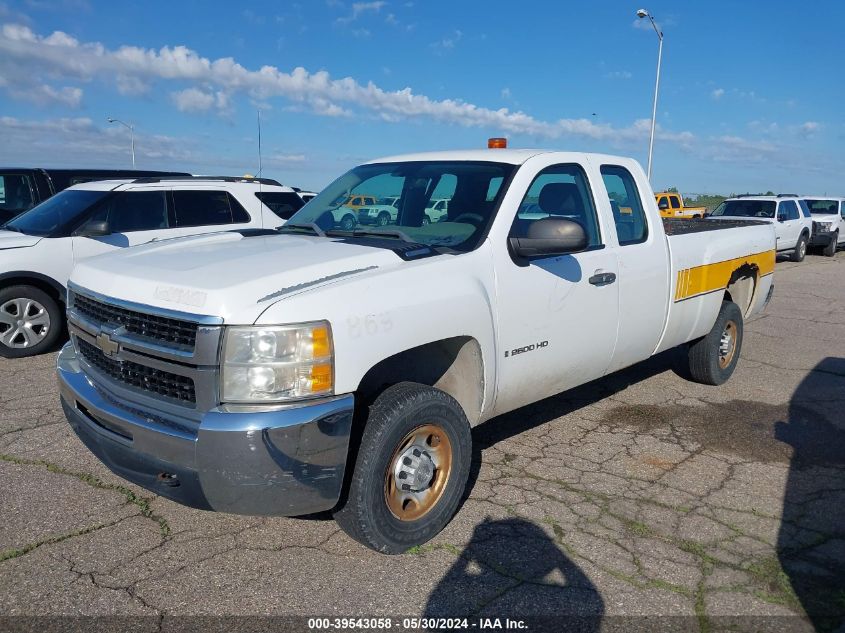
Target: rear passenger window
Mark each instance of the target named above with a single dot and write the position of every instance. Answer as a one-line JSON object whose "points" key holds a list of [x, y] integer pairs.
{"points": [[628, 214], [135, 211], [562, 191], [842, 209], [676, 202], [282, 203], [789, 209], [201, 208]]}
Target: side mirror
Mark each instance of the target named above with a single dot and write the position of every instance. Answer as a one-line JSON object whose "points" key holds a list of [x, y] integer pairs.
{"points": [[550, 236], [663, 204], [95, 228]]}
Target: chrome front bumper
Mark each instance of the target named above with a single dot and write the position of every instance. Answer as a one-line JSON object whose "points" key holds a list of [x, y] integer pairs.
{"points": [[282, 461]]}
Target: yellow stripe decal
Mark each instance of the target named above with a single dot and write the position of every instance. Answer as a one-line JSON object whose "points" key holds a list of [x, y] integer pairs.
{"points": [[710, 277]]}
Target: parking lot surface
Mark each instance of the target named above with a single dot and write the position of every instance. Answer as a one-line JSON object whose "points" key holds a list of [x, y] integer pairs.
{"points": [[639, 494]]}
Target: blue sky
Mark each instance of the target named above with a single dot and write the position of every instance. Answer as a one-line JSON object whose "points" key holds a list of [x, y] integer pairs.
{"points": [[751, 99]]}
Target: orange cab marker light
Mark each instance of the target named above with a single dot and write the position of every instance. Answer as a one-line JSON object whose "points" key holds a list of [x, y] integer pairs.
{"points": [[497, 142]]}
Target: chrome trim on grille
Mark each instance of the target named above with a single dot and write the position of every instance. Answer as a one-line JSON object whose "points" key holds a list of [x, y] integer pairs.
{"points": [[200, 365]]}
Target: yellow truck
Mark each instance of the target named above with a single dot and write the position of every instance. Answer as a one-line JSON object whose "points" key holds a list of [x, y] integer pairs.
{"points": [[671, 205]]}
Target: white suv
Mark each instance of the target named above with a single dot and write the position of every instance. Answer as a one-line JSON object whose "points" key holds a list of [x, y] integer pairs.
{"points": [[828, 215], [789, 215], [39, 248]]}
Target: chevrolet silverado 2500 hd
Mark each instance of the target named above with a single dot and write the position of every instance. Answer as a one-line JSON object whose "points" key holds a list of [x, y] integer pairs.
{"points": [[309, 368]]}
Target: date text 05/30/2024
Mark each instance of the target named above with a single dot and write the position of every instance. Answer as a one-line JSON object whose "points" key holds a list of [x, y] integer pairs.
{"points": [[413, 624]]}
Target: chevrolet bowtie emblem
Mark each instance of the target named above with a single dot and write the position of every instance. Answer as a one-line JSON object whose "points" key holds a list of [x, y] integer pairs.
{"points": [[106, 343]]}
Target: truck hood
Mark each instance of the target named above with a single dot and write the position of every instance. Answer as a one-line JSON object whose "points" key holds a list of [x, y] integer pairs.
{"points": [[831, 217], [10, 239], [227, 275]]}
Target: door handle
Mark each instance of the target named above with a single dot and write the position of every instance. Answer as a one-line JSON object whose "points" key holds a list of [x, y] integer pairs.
{"points": [[602, 279]]}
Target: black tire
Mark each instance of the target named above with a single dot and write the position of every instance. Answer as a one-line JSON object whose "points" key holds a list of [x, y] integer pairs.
{"points": [[46, 335], [348, 222], [426, 220], [708, 362], [830, 249], [383, 218], [399, 411], [800, 249]]}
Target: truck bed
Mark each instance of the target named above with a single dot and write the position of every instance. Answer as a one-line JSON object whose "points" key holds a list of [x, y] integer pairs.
{"points": [[682, 226]]}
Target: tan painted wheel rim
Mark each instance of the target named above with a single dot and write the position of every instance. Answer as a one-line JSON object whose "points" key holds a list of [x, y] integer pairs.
{"points": [[409, 499], [727, 344]]}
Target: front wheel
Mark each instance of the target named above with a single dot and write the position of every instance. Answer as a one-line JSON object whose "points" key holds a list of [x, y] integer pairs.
{"points": [[411, 470], [383, 219], [712, 359], [347, 222], [800, 249], [830, 249], [30, 321]]}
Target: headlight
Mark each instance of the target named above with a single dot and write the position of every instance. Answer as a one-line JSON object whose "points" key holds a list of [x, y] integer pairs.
{"points": [[824, 226], [277, 362]]}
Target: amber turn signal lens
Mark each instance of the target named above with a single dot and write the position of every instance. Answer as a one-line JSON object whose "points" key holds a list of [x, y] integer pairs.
{"points": [[321, 378], [321, 342]]}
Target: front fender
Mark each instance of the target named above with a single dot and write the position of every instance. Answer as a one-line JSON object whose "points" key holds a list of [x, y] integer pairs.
{"points": [[377, 315]]}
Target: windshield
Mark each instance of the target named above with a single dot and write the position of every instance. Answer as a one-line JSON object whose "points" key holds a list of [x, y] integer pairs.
{"points": [[56, 213], [746, 209], [470, 192], [822, 207]]}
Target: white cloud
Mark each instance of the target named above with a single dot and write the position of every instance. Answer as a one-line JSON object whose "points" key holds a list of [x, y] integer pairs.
{"points": [[359, 8], [44, 94], [506, 93], [717, 94], [448, 42], [809, 128], [211, 83]]}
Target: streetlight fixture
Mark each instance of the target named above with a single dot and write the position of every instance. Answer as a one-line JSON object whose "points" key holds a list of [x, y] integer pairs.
{"points": [[642, 13], [131, 129]]}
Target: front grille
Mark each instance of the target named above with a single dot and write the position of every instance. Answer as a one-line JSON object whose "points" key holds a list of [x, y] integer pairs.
{"points": [[141, 377], [163, 330]]}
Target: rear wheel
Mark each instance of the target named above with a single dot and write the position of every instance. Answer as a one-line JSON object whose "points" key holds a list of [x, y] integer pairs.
{"points": [[383, 218], [30, 321], [411, 470], [800, 249], [712, 359], [830, 249]]}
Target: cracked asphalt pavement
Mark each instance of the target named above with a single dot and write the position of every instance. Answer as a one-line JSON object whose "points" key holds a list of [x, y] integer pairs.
{"points": [[640, 494]]}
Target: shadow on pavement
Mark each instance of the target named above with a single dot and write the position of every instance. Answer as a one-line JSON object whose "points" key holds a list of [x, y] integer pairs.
{"points": [[811, 542], [512, 569]]}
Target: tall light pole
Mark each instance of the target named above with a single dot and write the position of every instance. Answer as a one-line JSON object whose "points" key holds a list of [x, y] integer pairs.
{"points": [[131, 129], [642, 13]]}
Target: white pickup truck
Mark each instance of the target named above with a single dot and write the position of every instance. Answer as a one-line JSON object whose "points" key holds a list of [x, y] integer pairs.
{"points": [[308, 368]]}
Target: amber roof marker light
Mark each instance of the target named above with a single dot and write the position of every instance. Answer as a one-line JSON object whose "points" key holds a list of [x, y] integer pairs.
{"points": [[497, 142]]}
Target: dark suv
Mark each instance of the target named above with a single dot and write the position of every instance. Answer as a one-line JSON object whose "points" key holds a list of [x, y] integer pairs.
{"points": [[23, 188]]}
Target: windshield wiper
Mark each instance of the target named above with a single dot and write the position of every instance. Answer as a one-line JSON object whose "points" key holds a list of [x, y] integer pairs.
{"points": [[310, 227], [371, 233]]}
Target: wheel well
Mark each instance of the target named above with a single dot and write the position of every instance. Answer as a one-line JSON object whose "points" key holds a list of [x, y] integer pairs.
{"points": [[46, 284], [743, 286], [453, 365]]}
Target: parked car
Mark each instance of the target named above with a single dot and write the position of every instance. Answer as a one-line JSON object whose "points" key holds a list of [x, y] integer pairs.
{"points": [[224, 371], [436, 211], [382, 213], [828, 215], [793, 224], [23, 188], [39, 248], [671, 205]]}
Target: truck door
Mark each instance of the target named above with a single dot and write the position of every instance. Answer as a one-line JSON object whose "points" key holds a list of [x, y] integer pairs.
{"points": [[557, 315], [643, 267], [788, 225]]}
